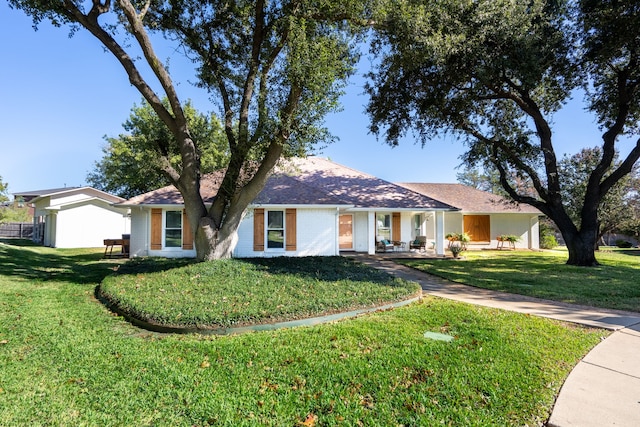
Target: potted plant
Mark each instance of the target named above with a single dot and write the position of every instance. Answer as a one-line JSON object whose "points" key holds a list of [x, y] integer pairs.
{"points": [[463, 238], [451, 237], [456, 249], [511, 239]]}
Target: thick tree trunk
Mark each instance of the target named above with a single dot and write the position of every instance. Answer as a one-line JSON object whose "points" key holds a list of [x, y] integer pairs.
{"points": [[215, 244], [582, 251], [581, 244]]}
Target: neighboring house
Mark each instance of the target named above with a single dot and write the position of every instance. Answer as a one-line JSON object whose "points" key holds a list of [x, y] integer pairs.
{"points": [[77, 217], [311, 207], [24, 199], [484, 216]]}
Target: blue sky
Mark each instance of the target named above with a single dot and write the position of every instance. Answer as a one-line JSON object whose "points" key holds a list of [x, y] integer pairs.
{"points": [[61, 96]]}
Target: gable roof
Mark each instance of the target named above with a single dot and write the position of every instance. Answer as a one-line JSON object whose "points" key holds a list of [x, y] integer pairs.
{"points": [[67, 191], [310, 181], [358, 188], [30, 195], [469, 199]]}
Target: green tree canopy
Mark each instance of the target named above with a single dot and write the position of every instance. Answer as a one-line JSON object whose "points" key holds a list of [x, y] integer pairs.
{"points": [[4, 187], [616, 206], [493, 72], [273, 68], [131, 164]]}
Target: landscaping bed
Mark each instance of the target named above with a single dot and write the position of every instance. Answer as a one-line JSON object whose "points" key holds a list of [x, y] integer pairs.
{"points": [[239, 292]]}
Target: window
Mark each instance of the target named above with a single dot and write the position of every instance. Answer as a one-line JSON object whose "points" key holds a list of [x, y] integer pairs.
{"points": [[275, 229], [170, 229], [173, 229], [417, 225], [383, 223]]}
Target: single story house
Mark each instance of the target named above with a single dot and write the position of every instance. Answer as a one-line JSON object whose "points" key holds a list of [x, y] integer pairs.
{"points": [[78, 217], [314, 206]]}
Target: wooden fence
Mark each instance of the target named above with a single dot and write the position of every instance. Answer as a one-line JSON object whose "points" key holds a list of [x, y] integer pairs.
{"points": [[20, 230]]}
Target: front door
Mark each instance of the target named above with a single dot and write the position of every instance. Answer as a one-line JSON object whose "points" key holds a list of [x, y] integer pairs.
{"points": [[345, 233]]}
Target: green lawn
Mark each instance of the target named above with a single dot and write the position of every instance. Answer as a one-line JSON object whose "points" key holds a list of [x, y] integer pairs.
{"points": [[240, 292], [613, 284], [66, 360]]}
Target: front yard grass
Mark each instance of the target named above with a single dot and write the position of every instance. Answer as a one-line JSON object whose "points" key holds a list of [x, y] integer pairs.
{"points": [[613, 284], [240, 292], [66, 360]]}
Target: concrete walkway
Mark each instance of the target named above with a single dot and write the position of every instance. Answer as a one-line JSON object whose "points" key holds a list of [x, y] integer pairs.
{"points": [[603, 389]]}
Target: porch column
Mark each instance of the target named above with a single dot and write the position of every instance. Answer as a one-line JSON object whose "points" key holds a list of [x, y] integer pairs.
{"points": [[439, 233], [371, 233]]}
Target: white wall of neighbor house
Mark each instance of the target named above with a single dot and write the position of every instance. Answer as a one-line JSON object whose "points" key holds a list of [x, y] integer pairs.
{"points": [[50, 221], [66, 198], [87, 225]]}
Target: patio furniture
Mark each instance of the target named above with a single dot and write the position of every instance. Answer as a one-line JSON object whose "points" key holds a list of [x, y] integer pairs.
{"points": [[124, 247], [399, 246], [419, 243], [383, 244]]}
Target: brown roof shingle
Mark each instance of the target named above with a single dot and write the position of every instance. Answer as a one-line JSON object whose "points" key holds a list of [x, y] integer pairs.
{"points": [[469, 199], [312, 181]]}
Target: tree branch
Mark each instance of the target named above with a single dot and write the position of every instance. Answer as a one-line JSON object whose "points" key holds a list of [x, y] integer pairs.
{"points": [[90, 22]]}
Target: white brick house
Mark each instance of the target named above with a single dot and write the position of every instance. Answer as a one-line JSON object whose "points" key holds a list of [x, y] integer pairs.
{"points": [[316, 207]]}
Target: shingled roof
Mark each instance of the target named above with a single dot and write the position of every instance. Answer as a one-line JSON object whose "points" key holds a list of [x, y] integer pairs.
{"points": [[311, 181], [469, 199]]}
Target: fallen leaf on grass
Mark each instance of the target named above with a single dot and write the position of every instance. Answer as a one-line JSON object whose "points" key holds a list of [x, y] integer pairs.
{"points": [[310, 421]]}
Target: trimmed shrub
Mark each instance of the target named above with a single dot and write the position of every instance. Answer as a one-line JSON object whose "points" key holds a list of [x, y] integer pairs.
{"points": [[623, 244], [547, 234], [548, 241]]}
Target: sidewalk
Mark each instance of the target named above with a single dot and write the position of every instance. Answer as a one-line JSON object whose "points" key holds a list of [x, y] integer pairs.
{"points": [[603, 389]]}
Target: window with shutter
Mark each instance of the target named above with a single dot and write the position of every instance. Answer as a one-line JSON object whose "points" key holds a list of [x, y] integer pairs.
{"points": [[275, 229]]}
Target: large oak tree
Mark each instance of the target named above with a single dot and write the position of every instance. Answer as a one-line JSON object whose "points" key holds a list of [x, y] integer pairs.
{"points": [[494, 71], [130, 164], [274, 68]]}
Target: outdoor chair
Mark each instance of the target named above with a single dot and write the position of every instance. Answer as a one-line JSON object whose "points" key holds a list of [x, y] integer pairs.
{"points": [[383, 244], [419, 243]]}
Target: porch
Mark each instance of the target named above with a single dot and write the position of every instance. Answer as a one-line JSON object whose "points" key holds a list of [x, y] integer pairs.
{"points": [[408, 254]]}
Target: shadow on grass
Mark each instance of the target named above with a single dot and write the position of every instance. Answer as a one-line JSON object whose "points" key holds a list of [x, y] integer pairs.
{"points": [[316, 268], [334, 268], [632, 252], [23, 258], [152, 265]]}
